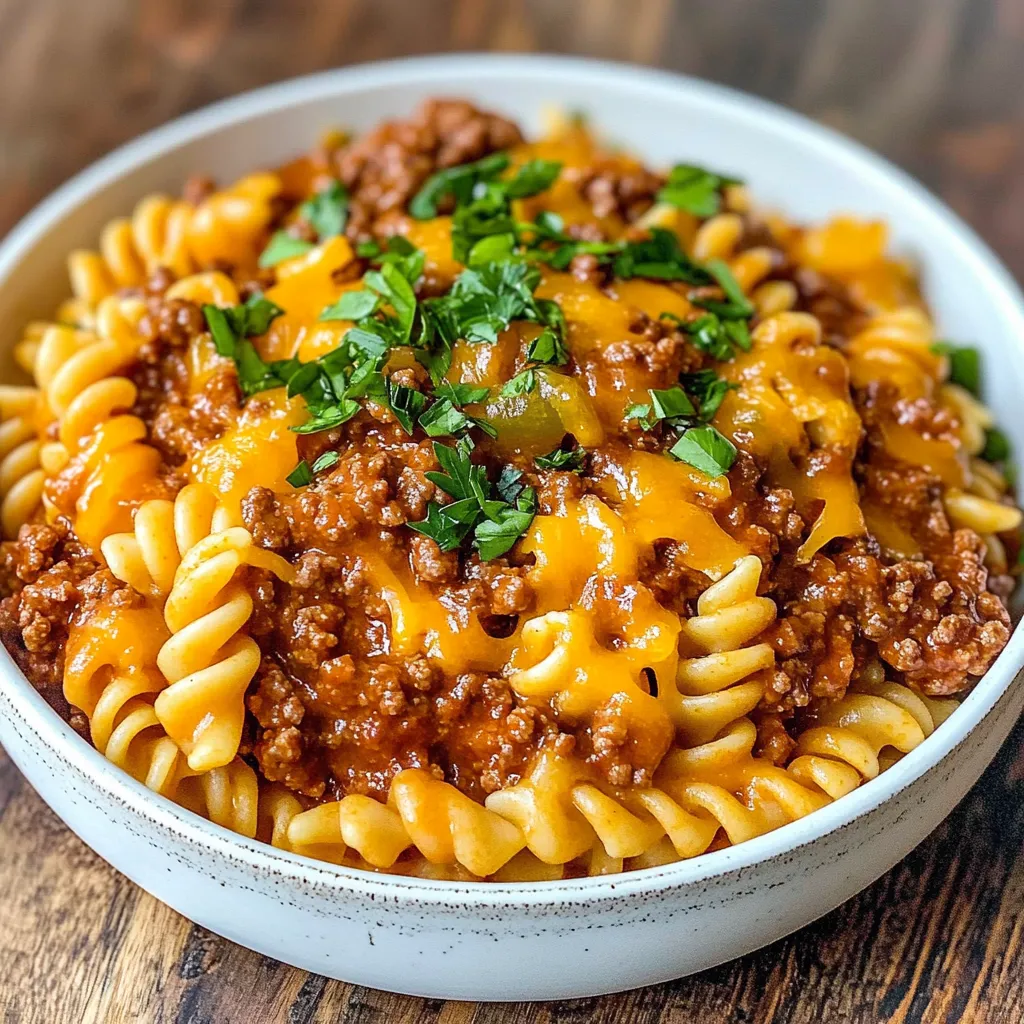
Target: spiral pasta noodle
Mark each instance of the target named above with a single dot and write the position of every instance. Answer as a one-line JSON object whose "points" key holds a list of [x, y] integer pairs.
{"points": [[897, 346], [208, 660], [713, 687], [21, 476], [228, 226], [228, 796], [78, 375], [111, 676], [148, 558], [444, 825], [131, 248], [873, 717], [560, 658]]}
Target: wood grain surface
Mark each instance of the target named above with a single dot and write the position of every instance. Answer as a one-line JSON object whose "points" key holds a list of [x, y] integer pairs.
{"points": [[937, 85]]}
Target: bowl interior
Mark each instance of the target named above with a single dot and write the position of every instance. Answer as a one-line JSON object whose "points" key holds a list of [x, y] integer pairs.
{"points": [[804, 170]]}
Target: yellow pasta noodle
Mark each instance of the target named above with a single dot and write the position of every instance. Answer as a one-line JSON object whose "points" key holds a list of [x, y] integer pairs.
{"points": [[21, 476], [713, 685], [111, 676], [207, 660], [172, 234], [148, 558]]}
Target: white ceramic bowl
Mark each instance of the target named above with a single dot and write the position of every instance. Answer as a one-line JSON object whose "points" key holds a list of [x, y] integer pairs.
{"points": [[554, 939]]}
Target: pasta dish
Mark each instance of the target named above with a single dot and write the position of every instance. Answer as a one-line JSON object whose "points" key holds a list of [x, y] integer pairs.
{"points": [[457, 505]]}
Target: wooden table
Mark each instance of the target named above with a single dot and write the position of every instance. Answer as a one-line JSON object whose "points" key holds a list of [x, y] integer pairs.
{"points": [[934, 84]]}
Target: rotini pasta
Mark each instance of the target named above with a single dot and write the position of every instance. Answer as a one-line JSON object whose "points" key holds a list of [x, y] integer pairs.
{"points": [[111, 676], [552, 517], [100, 443], [207, 660], [714, 686], [169, 234], [21, 476]]}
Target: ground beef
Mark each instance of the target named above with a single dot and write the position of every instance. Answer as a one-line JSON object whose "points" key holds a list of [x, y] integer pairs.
{"points": [[613, 187], [385, 168], [43, 577], [180, 421]]}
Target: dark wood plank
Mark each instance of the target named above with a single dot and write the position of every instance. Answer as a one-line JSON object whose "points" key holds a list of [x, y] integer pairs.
{"points": [[934, 84]]}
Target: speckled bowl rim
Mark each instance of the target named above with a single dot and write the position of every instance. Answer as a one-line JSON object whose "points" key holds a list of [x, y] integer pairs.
{"points": [[425, 71]]}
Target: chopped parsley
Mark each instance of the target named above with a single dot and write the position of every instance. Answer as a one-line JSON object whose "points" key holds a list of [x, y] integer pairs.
{"points": [[283, 246], [327, 211], [997, 446], [736, 305], [661, 258], [521, 384], [352, 306], [326, 460], [302, 474], [964, 365], [715, 336], [549, 348], [455, 182], [446, 417], [531, 178], [232, 327], [694, 189], [406, 404], [699, 444], [672, 405], [462, 394], [546, 231], [705, 449], [483, 228], [708, 389], [483, 302], [494, 516], [395, 249], [389, 288], [569, 460]]}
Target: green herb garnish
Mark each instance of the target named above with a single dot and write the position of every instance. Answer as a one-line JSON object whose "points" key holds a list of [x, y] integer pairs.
{"points": [[302, 474], [997, 446], [964, 365], [405, 403], [483, 302], [458, 182], [483, 229], [495, 517], [708, 389], [569, 460], [283, 246], [521, 384], [231, 328], [695, 190], [327, 211], [660, 257], [705, 449], [548, 348], [671, 405], [736, 306]]}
